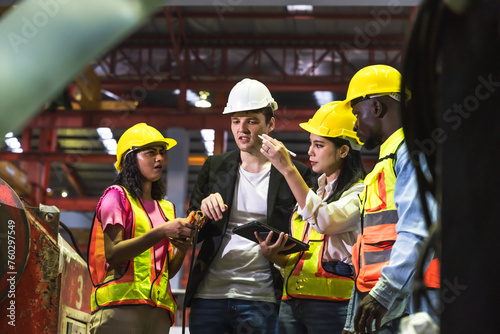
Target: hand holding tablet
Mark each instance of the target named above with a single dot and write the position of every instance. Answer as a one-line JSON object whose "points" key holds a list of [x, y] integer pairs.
{"points": [[247, 231]]}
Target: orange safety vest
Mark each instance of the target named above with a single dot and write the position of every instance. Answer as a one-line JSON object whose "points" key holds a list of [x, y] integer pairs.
{"points": [[373, 247], [432, 274], [141, 284], [304, 273]]}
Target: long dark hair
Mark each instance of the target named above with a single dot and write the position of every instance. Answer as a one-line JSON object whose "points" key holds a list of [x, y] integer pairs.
{"points": [[131, 179], [351, 172]]}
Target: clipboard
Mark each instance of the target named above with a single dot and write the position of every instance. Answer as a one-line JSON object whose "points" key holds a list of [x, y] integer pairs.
{"points": [[247, 231]]}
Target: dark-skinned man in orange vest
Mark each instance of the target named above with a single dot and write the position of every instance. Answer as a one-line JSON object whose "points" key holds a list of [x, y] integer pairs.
{"points": [[393, 228]]}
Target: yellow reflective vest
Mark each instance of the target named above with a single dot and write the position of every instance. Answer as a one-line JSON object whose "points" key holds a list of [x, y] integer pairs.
{"points": [[304, 273], [141, 284]]}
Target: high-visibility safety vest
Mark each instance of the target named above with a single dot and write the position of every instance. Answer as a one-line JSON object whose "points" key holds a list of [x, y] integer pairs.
{"points": [[432, 274], [304, 274], [372, 250], [141, 284]]}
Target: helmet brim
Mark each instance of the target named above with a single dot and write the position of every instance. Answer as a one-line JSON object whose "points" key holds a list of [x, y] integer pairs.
{"points": [[168, 142], [231, 110]]}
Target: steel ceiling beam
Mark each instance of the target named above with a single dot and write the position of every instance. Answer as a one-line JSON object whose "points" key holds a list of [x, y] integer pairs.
{"points": [[233, 41], [72, 203], [38, 171], [74, 179], [179, 42], [225, 85], [330, 67], [288, 119], [178, 39]]}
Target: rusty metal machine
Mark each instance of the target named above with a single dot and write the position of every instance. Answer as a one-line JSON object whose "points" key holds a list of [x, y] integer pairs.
{"points": [[45, 285]]}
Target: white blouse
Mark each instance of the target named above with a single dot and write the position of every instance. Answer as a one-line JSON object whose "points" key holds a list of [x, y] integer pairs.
{"points": [[338, 220]]}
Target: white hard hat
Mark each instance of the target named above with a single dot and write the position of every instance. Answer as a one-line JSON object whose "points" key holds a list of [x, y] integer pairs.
{"points": [[249, 94]]}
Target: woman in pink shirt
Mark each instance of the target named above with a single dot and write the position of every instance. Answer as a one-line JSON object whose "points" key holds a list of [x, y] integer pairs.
{"points": [[136, 243]]}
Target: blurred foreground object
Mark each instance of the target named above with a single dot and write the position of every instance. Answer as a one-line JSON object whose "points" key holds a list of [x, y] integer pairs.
{"points": [[15, 177], [452, 124], [46, 43]]}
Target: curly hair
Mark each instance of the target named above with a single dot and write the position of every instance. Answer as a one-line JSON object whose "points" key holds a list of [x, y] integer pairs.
{"points": [[131, 179]]}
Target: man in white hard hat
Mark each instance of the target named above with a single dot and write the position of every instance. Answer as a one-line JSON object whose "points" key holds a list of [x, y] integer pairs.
{"points": [[233, 288]]}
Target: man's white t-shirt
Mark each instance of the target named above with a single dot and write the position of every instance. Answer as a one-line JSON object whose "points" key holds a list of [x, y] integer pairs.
{"points": [[239, 270]]}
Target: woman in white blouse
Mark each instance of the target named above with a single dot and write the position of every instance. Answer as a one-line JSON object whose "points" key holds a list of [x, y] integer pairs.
{"points": [[319, 281]]}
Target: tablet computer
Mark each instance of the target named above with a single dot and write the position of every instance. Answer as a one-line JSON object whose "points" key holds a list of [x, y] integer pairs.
{"points": [[247, 231]]}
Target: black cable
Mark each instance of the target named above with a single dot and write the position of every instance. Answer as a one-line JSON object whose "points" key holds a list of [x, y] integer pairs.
{"points": [[191, 266], [419, 115], [420, 287], [420, 119], [73, 240]]}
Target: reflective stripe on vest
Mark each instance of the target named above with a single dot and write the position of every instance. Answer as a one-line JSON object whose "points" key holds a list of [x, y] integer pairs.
{"points": [[373, 247], [379, 217], [307, 278], [140, 284]]}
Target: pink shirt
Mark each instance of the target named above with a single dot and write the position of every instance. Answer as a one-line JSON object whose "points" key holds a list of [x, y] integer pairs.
{"points": [[112, 209]]}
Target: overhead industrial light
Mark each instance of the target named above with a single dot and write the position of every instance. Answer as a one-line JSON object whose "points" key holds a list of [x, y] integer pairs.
{"points": [[191, 96], [323, 97], [13, 143], [110, 94], [299, 8], [208, 140], [200, 100], [203, 102], [107, 140]]}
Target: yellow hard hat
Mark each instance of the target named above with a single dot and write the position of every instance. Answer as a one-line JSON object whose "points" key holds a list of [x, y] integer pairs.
{"points": [[375, 80], [334, 119], [138, 136]]}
